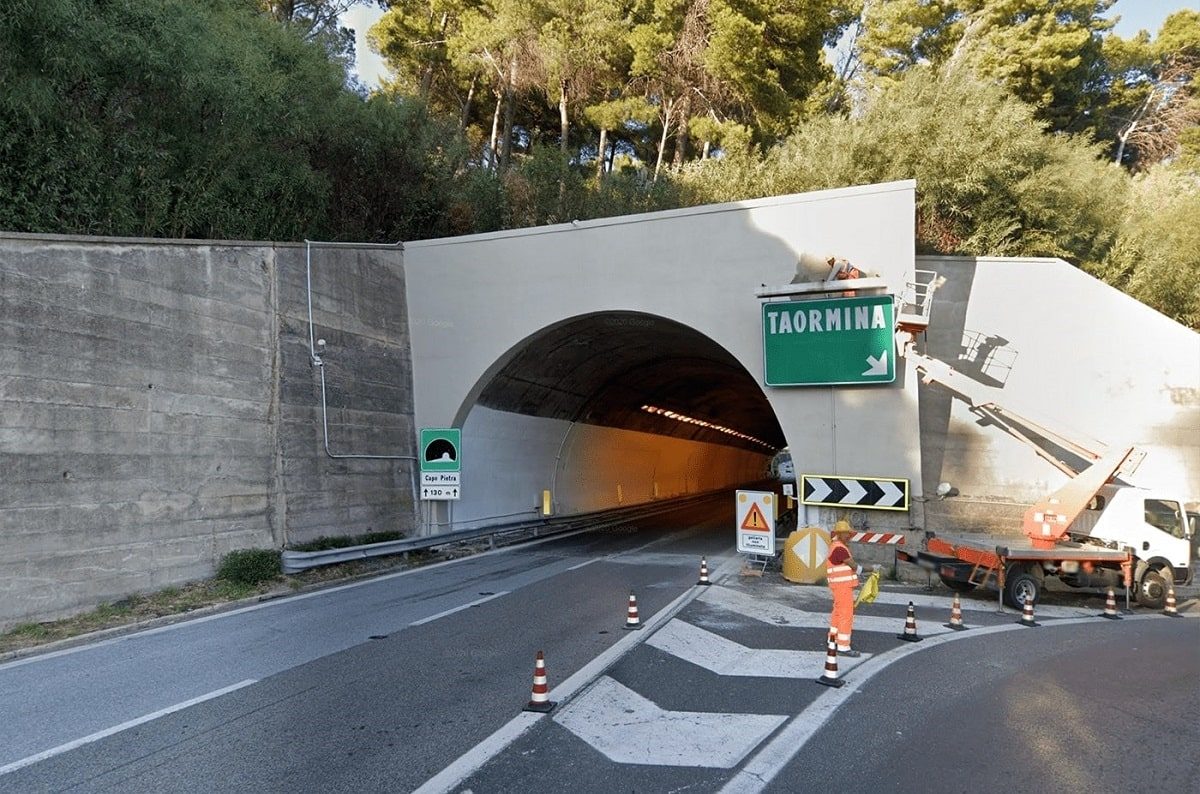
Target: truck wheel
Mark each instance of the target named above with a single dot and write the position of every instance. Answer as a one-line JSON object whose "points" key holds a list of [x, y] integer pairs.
{"points": [[956, 585], [1019, 587], [1152, 590]]}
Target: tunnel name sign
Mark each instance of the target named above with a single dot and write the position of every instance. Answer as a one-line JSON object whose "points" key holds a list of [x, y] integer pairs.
{"points": [[829, 341], [441, 462]]}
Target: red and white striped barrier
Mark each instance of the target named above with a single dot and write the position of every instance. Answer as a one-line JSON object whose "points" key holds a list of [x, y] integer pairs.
{"points": [[888, 538]]}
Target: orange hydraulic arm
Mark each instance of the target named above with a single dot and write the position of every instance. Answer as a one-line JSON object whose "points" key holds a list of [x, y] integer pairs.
{"points": [[1047, 521]]}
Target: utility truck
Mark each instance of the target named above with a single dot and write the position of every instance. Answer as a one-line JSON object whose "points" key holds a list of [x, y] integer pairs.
{"points": [[1093, 532]]}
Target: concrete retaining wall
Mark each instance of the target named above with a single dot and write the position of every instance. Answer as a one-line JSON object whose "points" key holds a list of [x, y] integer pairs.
{"points": [[1059, 345], [158, 409]]}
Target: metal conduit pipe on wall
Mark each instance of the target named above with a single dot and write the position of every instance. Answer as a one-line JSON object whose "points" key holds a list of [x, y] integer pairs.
{"points": [[315, 358]]}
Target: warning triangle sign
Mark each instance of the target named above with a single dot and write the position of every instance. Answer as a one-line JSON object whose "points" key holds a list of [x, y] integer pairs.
{"points": [[755, 519]]}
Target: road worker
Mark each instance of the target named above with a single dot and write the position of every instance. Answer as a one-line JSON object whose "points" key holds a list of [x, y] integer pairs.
{"points": [[842, 574]]}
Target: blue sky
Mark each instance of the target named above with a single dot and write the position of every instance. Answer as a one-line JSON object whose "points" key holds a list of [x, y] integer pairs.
{"points": [[1135, 15]]}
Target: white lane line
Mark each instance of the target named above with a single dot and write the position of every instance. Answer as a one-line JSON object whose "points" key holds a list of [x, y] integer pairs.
{"points": [[449, 778], [584, 564], [472, 760], [724, 656], [460, 608], [63, 748], [974, 604], [774, 756], [194, 621], [630, 729]]}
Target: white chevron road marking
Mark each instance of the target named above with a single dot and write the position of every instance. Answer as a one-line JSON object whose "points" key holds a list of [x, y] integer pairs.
{"points": [[727, 657], [781, 615], [629, 729]]}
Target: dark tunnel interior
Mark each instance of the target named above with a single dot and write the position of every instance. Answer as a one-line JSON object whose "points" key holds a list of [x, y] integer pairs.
{"points": [[606, 369]]}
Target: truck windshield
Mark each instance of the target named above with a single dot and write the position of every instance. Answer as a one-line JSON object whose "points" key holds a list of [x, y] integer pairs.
{"points": [[1166, 516]]}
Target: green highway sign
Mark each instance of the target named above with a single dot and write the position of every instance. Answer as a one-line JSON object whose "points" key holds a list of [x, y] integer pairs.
{"points": [[440, 449], [829, 341]]}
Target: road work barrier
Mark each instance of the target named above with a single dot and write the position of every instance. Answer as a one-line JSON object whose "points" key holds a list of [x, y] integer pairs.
{"points": [[1027, 614], [956, 621], [1169, 610], [830, 676], [910, 626], [1110, 606], [539, 700], [632, 621]]}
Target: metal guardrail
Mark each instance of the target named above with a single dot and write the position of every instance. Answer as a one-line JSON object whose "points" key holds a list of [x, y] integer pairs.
{"points": [[296, 561]]}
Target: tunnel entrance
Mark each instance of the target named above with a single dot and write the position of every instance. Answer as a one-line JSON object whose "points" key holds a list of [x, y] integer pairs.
{"points": [[611, 409]]}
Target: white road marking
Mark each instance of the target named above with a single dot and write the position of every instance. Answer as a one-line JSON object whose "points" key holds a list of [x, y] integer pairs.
{"points": [[460, 608], [449, 778], [931, 610], [584, 564], [974, 604], [472, 760], [781, 615], [193, 621], [629, 729], [726, 657], [63, 748]]}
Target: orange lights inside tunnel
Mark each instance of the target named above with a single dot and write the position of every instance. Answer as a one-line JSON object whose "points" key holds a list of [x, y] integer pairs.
{"points": [[678, 417]]}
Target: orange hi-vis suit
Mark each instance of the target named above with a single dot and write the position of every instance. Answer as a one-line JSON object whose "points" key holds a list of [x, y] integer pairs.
{"points": [[842, 581]]}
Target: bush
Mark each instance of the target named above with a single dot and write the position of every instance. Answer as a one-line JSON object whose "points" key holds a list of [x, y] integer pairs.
{"points": [[250, 566]]}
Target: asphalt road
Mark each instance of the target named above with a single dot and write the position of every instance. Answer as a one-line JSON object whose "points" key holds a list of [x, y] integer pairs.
{"points": [[415, 682], [1089, 707], [318, 703]]}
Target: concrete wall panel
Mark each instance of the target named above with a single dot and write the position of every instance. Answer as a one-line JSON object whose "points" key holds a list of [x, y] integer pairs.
{"points": [[158, 409], [473, 300], [1063, 347]]}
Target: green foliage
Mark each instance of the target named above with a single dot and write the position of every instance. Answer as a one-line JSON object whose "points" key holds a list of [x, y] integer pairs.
{"points": [[250, 566], [1000, 188], [1049, 53], [1156, 258], [183, 119]]}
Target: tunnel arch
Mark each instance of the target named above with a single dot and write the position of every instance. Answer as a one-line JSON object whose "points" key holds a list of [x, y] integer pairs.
{"points": [[610, 408]]}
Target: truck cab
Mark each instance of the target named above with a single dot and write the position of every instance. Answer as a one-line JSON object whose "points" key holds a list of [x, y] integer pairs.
{"points": [[1151, 523]]}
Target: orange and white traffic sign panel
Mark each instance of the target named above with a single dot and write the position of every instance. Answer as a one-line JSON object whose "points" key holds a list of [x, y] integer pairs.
{"points": [[755, 522]]}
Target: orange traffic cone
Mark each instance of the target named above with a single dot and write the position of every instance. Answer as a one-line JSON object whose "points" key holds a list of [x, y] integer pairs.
{"points": [[704, 572], [1169, 610], [631, 620], [1027, 614], [956, 621], [540, 699], [830, 676], [1110, 606], [910, 626]]}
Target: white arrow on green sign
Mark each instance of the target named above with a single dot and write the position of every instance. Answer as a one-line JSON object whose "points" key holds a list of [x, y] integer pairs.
{"points": [[829, 341]]}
